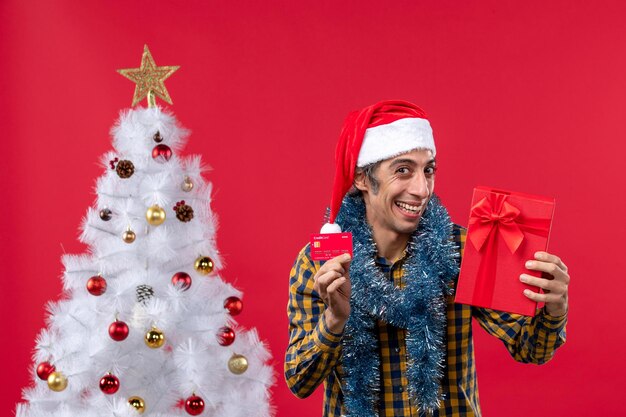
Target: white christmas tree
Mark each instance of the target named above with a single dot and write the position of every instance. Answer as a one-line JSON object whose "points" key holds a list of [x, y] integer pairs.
{"points": [[146, 322]]}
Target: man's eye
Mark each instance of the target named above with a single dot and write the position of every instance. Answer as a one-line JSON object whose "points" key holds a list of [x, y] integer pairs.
{"points": [[402, 170], [430, 170]]}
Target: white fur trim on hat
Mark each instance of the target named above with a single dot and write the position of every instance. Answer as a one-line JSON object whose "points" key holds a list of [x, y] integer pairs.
{"points": [[403, 135]]}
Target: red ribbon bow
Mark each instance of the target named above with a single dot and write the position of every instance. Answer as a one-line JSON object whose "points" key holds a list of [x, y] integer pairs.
{"points": [[492, 215]]}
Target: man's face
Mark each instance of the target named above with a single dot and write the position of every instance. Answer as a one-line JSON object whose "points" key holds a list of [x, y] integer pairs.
{"points": [[406, 183]]}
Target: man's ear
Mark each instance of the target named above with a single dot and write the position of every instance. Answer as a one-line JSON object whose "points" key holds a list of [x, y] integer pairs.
{"points": [[360, 181]]}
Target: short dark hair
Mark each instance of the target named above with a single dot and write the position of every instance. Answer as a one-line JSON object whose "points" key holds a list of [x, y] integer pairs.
{"points": [[369, 170]]}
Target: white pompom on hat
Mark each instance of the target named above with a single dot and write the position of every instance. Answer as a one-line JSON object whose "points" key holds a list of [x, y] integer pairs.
{"points": [[378, 132]]}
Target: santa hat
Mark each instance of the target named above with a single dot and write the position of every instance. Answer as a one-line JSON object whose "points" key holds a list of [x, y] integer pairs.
{"points": [[382, 131]]}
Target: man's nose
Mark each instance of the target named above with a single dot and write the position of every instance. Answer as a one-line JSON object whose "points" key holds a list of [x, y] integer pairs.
{"points": [[419, 186]]}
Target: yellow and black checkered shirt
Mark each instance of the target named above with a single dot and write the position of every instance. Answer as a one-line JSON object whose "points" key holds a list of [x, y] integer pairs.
{"points": [[314, 353]]}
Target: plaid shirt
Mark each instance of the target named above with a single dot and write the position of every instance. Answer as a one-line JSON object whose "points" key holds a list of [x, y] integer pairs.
{"points": [[314, 353]]}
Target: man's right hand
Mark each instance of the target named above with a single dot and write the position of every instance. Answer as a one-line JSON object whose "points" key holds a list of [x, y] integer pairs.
{"points": [[332, 282]]}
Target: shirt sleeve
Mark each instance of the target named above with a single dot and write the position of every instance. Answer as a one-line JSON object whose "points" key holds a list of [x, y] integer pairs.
{"points": [[313, 349], [528, 339]]}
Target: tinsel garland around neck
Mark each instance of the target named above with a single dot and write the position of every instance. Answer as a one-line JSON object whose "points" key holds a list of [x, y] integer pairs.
{"points": [[420, 308]]}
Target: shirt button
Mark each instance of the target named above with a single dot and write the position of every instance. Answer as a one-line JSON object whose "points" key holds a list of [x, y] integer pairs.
{"points": [[397, 350], [401, 389]]}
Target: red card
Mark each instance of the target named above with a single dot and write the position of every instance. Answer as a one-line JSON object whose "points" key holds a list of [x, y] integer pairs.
{"points": [[329, 245], [505, 230]]}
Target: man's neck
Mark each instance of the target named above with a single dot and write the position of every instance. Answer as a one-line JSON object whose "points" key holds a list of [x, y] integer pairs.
{"points": [[390, 245]]}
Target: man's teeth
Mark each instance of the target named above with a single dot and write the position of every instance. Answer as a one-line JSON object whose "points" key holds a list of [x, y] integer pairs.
{"points": [[408, 207]]}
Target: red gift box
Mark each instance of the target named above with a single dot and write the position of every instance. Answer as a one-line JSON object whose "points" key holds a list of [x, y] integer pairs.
{"points": [[505, 230]]}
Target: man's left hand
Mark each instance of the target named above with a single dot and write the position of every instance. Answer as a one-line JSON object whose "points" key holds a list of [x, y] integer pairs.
{"points": [[554, 282]]}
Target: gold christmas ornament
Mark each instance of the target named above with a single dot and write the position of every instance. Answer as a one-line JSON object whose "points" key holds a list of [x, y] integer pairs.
{"points": [[238, 364], [154, 338], [137, 403], [155, 215], [149, 79], [187, 184], [57, 381], [204, 265], [128, 236]]}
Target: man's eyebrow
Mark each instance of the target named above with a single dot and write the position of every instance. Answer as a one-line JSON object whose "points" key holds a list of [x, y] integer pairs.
{"points": [[403, 161], [411, 162]]}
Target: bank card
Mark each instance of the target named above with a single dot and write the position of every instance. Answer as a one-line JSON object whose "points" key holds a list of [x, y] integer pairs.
{"points": [[326, 246]]}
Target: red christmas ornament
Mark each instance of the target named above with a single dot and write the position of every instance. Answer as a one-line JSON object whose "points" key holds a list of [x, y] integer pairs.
{"points": [[234, 305], [161, 153], [226, 336], [96, 285], [183, 279], [44, 369], [109, 384], [194, 405], [118, 330]]}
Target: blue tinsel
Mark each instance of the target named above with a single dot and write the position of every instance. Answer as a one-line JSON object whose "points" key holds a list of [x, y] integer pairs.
{"points": [[420, 308]]}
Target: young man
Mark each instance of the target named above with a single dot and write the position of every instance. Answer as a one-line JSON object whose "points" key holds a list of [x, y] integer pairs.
{"points": [[381, 329]]}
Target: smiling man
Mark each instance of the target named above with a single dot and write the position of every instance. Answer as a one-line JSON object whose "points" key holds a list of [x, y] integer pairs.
{"points": [[380, 329]]}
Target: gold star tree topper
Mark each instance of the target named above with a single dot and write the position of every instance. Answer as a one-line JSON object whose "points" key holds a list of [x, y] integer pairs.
{"points": [[149, 79]]}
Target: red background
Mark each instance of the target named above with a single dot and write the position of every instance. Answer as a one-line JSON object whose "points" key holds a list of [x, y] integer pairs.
{"points": [[528, 96]]}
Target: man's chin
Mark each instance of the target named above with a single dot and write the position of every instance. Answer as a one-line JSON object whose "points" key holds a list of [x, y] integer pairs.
{"points": [[409, 228]]}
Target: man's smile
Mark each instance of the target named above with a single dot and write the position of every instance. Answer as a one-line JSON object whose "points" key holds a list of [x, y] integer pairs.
{"points": [[411, 210]]}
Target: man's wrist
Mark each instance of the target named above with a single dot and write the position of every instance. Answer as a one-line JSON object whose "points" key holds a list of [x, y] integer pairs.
{"points": [[324, 337], [334, 325], [553, 311], [556, 313]]}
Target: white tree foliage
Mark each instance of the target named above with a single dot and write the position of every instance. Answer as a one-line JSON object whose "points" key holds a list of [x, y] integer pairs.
{"points": [[76, 340]]}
